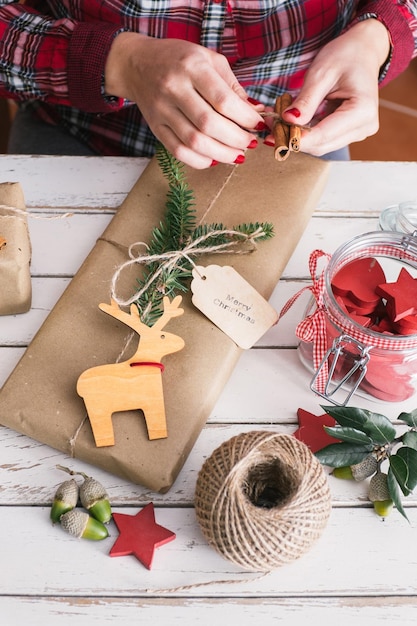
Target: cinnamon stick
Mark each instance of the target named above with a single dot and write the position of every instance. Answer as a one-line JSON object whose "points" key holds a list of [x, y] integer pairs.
{"points": [[295, 138], [281, 130], [287, 136]]}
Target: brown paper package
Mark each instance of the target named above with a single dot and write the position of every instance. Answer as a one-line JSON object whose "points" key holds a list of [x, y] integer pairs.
{"points": [[39, 399], [15, 281]]}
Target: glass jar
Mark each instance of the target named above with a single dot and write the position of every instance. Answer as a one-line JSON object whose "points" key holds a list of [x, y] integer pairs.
{"points": [[400, 217], [346, 356]]}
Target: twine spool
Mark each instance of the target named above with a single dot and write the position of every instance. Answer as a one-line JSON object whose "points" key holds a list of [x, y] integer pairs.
{"points": [[262, 500]]}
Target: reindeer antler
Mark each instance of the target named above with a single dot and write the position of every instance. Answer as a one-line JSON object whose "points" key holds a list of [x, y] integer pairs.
{"points": [[171, 309], [131, 319]]}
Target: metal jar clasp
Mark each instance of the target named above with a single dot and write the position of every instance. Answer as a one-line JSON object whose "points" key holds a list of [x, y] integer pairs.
{"points": [[346, 363]]}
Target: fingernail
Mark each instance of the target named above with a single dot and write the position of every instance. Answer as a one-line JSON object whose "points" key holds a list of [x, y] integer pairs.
{"points": [[213, 163], [253, 100], [269, 142], [261, 126], [253, 144], [294, 112], [239, 159]]}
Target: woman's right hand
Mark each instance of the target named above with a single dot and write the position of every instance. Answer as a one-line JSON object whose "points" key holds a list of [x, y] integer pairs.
{"points": [[187, 94]]}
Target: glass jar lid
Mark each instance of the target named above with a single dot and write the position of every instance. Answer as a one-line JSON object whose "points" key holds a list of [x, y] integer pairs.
{"points": [[401, 218]]}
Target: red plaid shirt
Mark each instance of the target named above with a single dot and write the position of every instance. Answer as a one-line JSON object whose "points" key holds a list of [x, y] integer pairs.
{"points": [[53, 53]]}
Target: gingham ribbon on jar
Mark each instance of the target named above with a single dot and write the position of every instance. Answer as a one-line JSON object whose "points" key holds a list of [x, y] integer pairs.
{"points": [[313, 327]]}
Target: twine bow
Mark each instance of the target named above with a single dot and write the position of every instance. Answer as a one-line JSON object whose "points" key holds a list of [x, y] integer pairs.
{"points": [[312, 329], [170, 258]]}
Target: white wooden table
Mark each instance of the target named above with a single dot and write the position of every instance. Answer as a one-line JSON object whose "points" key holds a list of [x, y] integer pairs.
{"points": [[362, 571]]}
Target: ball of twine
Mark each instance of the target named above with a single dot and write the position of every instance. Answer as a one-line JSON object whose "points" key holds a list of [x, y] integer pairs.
{"points": [[262, 500]]}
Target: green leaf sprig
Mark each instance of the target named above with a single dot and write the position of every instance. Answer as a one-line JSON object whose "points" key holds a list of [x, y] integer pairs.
{"points": [[366, 441], [178, 230]]}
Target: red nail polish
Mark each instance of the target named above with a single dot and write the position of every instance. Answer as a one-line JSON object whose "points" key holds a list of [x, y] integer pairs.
{"points": [[294, 112], [261, 126], [253, 101], [213, 163], [239, 159], [253, 144], [268, 142]]}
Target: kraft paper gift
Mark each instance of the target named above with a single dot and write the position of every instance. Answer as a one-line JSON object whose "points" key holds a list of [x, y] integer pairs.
{"points": [[40, 400], [15, 252]]}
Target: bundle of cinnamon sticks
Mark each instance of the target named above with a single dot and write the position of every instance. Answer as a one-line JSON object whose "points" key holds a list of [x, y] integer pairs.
{"points": [[287, 136]]}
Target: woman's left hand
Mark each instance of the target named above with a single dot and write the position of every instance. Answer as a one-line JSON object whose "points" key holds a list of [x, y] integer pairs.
{"points": [[344, 76]]}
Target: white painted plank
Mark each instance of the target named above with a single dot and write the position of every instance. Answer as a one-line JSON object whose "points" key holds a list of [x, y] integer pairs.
{"points": [[391, 611], [20, 329], [345, 561], [356, 187], [29, 470], [72, 182], [267, 386], [59, 246], [366, 188], [9, 358]]}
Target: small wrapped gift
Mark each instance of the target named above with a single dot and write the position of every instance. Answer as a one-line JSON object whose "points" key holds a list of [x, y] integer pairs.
{"points": [[15, 252], [40, 399]]}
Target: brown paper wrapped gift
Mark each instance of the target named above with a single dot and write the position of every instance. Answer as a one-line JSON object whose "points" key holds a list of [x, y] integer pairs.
{"points": [[39, 399], [15, 252]]}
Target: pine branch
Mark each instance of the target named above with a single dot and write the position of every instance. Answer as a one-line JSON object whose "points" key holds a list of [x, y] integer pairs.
{"points": [[177, 231]]}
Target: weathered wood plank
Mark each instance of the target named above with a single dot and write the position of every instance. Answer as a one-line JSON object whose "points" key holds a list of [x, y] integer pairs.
{"points": [[392, 611], [61, 245], [72, 182], [346, 561], [28, 471]]}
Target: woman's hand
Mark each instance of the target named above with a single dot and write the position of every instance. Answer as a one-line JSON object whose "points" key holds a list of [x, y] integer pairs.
{"points": [[188, 95], [344, 74]]}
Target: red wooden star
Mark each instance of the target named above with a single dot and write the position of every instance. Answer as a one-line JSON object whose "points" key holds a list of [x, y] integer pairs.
{"points": [[311, 431], [357, 281], [140, 535], [401, 296]]}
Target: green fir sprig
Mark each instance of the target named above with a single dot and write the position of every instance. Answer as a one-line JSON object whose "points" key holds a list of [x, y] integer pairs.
{"points": [[369, 444], [177, 231]]}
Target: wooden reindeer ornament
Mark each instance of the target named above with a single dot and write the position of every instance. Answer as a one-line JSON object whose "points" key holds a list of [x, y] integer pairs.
{"points": [[135, 383]]}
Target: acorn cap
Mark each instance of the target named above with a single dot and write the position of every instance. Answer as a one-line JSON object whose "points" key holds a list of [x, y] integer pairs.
{"points": [[365, 468], [81, 525], [378, 488]]}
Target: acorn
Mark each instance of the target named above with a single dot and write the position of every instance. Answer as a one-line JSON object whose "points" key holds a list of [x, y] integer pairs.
{"points": [[379, 494], [365, 468], [343, 472], [65, 499], [81, 525], [95, 499]]}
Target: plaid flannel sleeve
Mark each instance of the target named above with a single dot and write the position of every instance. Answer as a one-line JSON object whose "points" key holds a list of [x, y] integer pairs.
{"points": [[400, 18], [56, 60]]}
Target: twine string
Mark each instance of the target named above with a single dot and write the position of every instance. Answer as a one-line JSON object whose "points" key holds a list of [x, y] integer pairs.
{"points": [[171, 258], [262, 500], [25, 213]]}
